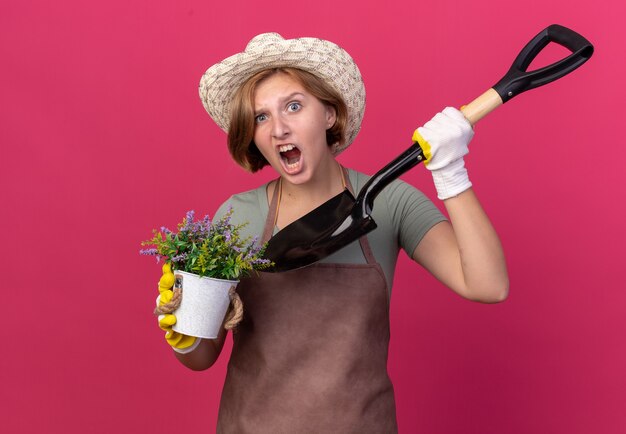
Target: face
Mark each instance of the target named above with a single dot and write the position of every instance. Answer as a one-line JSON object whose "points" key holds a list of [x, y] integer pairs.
{"points": [[290, 128]]}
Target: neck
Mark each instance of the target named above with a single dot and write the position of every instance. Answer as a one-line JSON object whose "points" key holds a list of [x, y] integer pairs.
{"points": [[326, 184]]}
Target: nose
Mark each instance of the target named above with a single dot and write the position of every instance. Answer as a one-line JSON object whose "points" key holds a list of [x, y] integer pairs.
{"points": [[280, 128]]}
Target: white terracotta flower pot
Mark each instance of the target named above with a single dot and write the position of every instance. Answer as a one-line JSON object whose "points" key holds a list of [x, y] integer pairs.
{"points": [[204, 304]]}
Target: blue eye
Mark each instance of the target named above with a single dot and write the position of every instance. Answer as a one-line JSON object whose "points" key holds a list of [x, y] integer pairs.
{"points": [[294, 106], [260, 118]]}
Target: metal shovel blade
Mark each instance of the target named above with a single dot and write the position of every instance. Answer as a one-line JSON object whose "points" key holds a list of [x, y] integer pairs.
{"points": [[317, 234]]}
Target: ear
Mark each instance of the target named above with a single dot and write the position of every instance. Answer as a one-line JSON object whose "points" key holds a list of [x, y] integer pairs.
{"points": [[331, 116]]}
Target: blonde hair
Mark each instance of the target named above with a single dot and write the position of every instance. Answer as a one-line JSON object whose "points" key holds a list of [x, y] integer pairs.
{"points": [[241, 132]]}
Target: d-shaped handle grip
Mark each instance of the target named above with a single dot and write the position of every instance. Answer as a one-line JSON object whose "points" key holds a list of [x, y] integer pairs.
{"points": [[518, 79]]}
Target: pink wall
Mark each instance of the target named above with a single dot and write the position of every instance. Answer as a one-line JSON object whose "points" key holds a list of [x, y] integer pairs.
{"points": [[103, 138]]}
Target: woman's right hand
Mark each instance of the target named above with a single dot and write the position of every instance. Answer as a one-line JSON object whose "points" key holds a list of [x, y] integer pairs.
{"points": [[179, 342]]}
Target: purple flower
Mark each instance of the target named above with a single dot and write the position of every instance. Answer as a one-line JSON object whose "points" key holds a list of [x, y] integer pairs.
{"points": [[201, 228], [149, 252], [189, 221], [179, 258]]}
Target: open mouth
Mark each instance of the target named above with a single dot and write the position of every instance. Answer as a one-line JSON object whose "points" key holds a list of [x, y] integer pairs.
{"points": [[290, 155]]}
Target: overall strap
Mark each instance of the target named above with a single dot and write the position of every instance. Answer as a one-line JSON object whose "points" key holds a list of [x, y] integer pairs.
{"points": [[272, 214]]}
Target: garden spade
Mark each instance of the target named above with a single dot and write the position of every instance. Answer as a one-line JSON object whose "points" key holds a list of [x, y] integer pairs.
{"points": [[344, 219]]}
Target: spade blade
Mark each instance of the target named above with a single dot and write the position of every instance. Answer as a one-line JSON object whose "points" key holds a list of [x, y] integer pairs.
{"points": [[321, 232]]}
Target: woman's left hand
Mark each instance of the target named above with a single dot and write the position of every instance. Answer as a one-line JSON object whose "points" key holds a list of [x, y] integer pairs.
{"points": [[444, 140]]}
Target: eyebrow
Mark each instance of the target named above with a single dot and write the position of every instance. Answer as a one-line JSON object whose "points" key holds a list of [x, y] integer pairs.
{"points": [[287, 98], [292, 95]]}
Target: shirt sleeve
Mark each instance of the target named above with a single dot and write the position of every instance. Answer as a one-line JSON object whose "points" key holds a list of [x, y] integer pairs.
{"points": [[223, 209], [412, 214]]}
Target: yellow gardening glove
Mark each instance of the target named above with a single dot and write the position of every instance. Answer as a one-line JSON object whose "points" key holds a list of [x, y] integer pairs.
{"points": [[180, 343]]}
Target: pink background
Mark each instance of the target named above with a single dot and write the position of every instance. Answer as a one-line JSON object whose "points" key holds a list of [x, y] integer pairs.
{"points": [[103, 138]]}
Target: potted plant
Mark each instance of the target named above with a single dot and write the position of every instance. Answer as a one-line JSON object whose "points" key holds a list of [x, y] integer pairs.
{"points": [[208, 259]]}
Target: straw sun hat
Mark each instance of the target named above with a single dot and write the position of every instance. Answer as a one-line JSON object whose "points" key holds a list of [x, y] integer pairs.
{"points": [[269, 50]]}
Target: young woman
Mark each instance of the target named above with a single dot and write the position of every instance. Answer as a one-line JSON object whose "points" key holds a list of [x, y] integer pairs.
{"points": [[311, 352]]}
